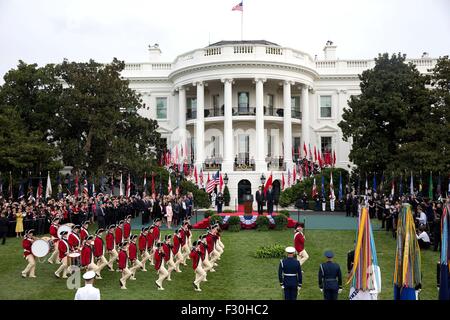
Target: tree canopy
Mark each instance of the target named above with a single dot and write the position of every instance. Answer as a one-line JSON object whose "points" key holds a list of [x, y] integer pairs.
{"points": [[398, 122]]}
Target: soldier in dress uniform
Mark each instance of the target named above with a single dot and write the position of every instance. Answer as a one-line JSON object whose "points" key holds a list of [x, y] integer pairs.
{"points": [[27, 242], [88, 292], [156, 230], [74, 238], [123, 265], [142, 245], [87, 255], [84, 233], [132, 255], [119, 233], [151, 244], [211, 241], [290, 275], [185, 251], [200, 274], [64, 250], [54, 235], [218, 243], [299, 243], [99, 252], [159, 266], [127, 228], [176, 249], [206, 264], [168, 256], [111, 247], [330, 278]]}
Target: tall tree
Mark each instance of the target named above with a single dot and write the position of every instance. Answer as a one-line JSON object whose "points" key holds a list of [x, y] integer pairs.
{"points": [[388, 122]]}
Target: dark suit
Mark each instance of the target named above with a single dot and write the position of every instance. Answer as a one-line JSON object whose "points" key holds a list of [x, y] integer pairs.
{"points": [[290, 276], [330, 280], [3, 228], [100, 213], [270, 197], [350, 259], [260, 201]]}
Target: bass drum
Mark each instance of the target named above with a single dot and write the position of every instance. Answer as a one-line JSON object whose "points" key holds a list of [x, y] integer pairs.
{"points": [[65, 227], [40, 248]]}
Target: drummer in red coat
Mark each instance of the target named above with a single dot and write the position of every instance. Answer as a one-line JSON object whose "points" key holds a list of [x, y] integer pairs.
{"points": [[87, 254], [210, 240], [64, 250], [156, 231], [142, 244], [132, 255], [27, 242], [206, 264], [151, 244], [99, 252], [176, 249], [111, 247], [185, 251], [119, 232], [168, 257], [299, 243], [54, 235], [159, 266], [127, 228], [123, 265], [74, 238], [84, 232], [200, 274]]}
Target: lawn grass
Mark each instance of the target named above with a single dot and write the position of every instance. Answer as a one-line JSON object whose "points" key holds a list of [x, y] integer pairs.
{"points": [[239, 275]]}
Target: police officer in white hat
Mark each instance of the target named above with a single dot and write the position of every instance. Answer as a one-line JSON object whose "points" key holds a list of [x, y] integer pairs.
{"points": [[290, 275], [88, 292]]}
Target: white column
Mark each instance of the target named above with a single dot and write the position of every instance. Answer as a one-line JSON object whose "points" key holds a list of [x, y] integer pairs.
{"points": [[182, 115], [200, 125], [305, 118], [260, 161], [228, 140], [287, 125]]}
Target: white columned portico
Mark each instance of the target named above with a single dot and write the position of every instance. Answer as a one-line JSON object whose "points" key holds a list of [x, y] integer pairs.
{"points": [[200, 125], [227, 164], [260, 162], [305, 117], [182, 116], [287, 124]]}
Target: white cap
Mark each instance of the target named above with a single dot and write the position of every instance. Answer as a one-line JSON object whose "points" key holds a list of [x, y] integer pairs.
{"points": [[290, 250], [89, 275]]}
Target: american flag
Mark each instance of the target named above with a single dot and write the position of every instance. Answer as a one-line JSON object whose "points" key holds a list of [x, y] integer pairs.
{"points": [[238, 7], [213, 182]]}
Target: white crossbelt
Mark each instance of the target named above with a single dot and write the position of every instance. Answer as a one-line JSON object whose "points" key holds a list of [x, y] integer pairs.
{"points": [[290, 274]]}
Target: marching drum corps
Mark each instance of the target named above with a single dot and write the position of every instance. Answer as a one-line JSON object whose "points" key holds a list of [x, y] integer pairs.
{"points": [[71, 245]]}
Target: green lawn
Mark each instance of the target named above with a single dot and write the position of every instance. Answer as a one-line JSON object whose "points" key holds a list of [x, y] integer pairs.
{"points": [[239, 275]]}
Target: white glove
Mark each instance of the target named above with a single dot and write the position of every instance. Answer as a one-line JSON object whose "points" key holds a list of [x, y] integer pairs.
{"points": [[299, 288], [282, 287], [340, 290], [321, 290]]}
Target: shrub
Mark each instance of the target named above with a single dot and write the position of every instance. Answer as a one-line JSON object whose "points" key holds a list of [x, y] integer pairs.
{"points": [[209, 213], [201, 198], [234, 224], [272, 251], [228, 211], [226, 196], [262, 223], [215, 218], [281, 221], [285, 212]]}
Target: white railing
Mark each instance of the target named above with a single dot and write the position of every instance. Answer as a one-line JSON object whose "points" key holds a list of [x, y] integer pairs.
{"points": [[326, 64], [421, 62], [132, 66], [274, 50], [357, 64], [243, 49], [161, 66], [213, 51]]}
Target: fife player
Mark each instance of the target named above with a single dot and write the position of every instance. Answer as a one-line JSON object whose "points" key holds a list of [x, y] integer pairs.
{"points": [[27, 242]]}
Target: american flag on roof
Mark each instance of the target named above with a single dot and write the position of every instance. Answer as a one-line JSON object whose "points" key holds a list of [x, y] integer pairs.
{"points": [[238, 7], [213, 182]]}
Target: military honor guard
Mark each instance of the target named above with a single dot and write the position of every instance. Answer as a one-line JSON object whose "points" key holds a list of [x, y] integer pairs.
{"points": [[168, 256], [132, 255], [84, 233], [218, 243], [185, 251], [290, 275], [53, 230], [330, 278], [206, 264], [299, 244], [156, 230], [99, 252], [142, 244], [159, 266], [87, 255], [111, 247], [74, 238], [200, 274], [127, 228], [119, 233], [64, 250], [176, 249], [151, 245], [88, 292], [188, 232], [211, 240], [123, 265], [27, 242]]}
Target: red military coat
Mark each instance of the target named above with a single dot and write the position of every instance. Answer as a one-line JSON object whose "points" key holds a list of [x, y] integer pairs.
{"points": [[123, 259], [119, 235], [150, 240], [183, 237], [195, 257], [26, 245], [156, 233], [83, 234], [74, 240], [64, 248], [299, 242], [157, 259], [176, 244], [126, 230], [203, 251], [110, 244], [98, 246], [142, 243], [86, 255], [166, 249], [132, 251], [54, 230], [210, 242]]}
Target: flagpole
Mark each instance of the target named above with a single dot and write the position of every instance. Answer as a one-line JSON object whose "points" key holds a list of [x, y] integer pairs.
{"points": [[242, 24]]}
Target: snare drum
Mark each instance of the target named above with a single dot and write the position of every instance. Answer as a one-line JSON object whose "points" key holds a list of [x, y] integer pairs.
{"points": [[65, 227], [40, 248], [74, 259], [50, 242]]}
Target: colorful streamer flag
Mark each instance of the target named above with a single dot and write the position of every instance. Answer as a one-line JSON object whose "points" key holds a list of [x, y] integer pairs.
{"points": [[128, 188], [48, 189], [21, 189], [444, 273], [112, 185], [314, 189], [39, 189], [10, 188], [169, 186], [304, 149], [85, 188], [411, 185], [374, 183], [120, 186], [144, 192], [332, 196], [268, 184], [289, 178], [407, 272], [294, 174], [220, 182], [365, 275], [340, 187], [323, 186], [393, 188], [438, 187], [195, 175]]}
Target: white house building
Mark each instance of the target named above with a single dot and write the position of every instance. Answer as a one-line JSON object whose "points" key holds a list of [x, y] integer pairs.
{"points": [[247, 107]]}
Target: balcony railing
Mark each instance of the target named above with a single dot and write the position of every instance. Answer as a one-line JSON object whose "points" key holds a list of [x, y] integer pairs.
{"points": [[296, 114], [214, 112], [275, 163], [213, 163], [273, 112], [250, 111], [244, 111], [244, 163]]}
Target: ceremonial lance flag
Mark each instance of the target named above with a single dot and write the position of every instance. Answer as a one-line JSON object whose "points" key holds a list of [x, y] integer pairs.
{"points": [[112, 185], [21, 191], [221, 182], [340, 186], [153, 184], [314, 188], [305, 150], [411, 185], [128, 190], [48, 189], [289, 178], [294, 174], [144, 192], [323, 186], [120, 186], [195, 175], [85, 188], [331, 186], [365, 275], [169, 187], [374, 183], [10, 191], [268, 184], [39, 189], [444, 273], [407, 272]]}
